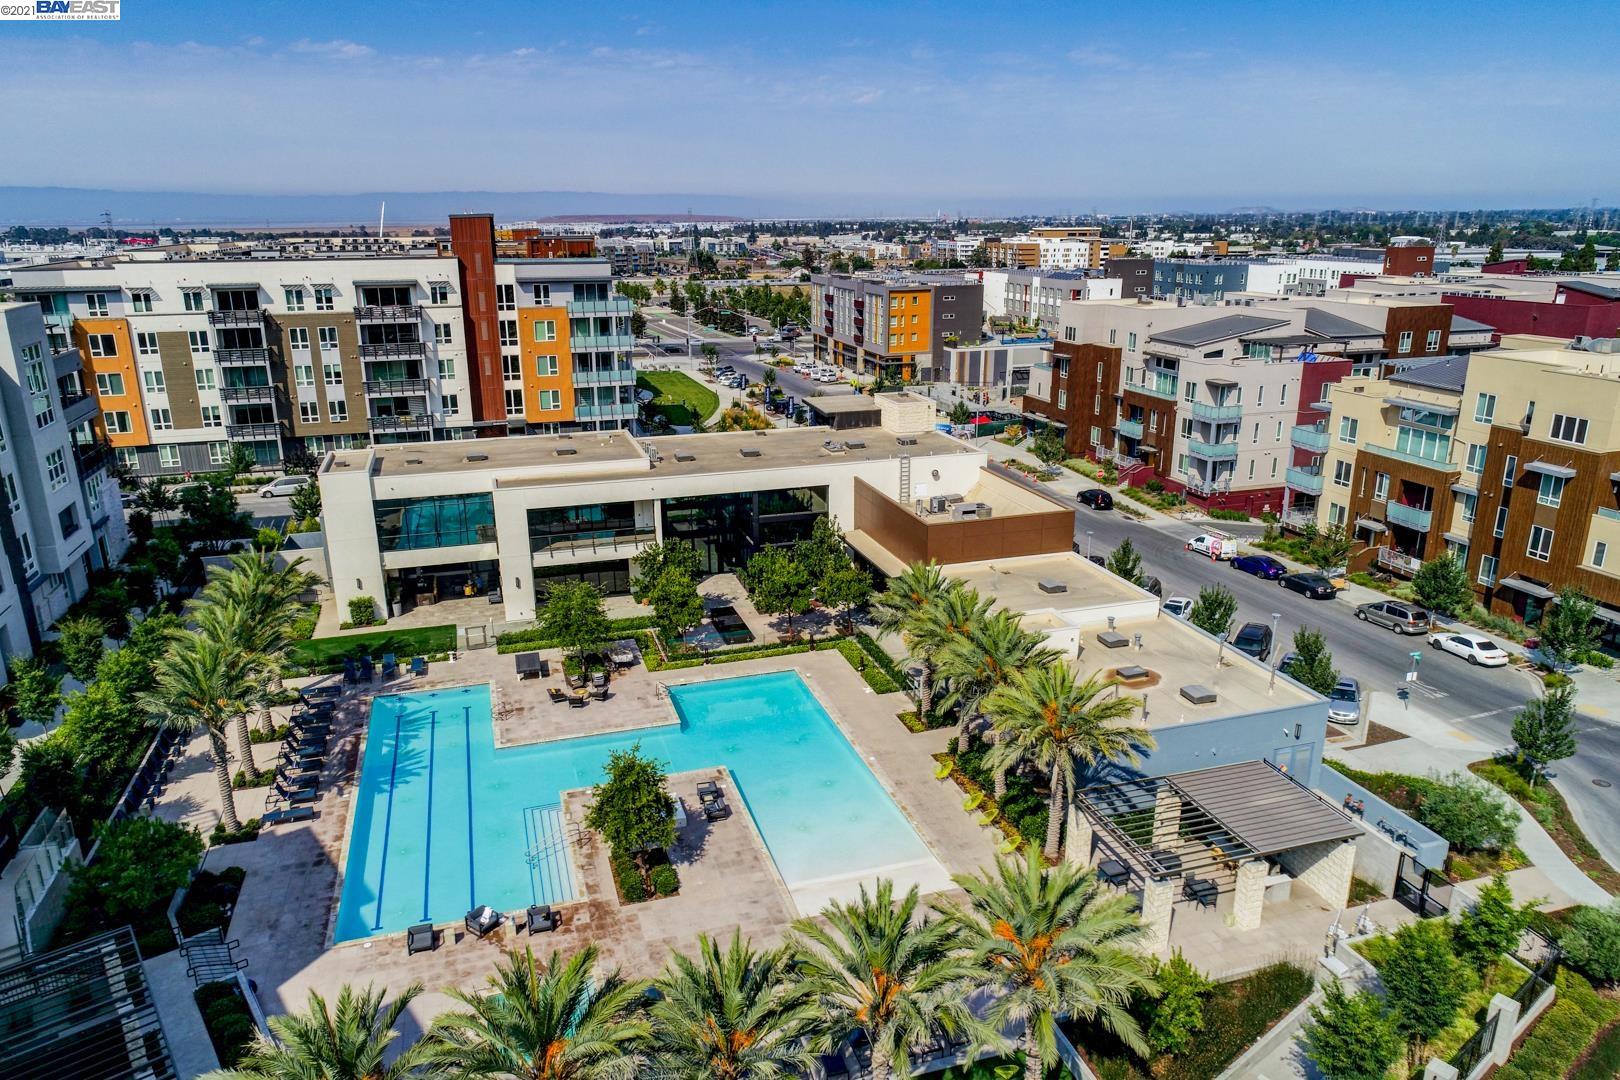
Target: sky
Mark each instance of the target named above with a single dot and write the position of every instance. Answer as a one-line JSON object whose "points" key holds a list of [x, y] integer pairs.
{"points": [[846, 108]]}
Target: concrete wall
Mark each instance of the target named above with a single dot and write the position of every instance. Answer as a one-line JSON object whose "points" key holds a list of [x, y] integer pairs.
{"points": [[1426, 845]]}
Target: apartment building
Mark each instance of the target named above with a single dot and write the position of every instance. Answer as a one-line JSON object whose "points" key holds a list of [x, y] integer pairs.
{"points": [[1051, 248], [1135, 276], [988, 371], [61, 517], [893, 325], [1035, 297], [1509, 458]]}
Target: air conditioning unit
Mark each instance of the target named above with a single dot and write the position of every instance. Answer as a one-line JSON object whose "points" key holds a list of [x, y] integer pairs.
{"points": [[937, 504], [969, 511]]}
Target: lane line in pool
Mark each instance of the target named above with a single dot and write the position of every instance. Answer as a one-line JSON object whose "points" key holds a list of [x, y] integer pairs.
{"points": [[388, 824], [427, 857], [472, 856]]}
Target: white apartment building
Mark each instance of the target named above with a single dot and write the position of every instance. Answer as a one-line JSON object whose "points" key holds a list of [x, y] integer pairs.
{"points": [[1305, 275]]}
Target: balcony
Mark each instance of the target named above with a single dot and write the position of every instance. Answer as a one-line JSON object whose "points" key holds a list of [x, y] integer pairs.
{"points": [[247, 394], [393, 387], [1212, 451], [393, 349], [91, 456], [618, 305], [1164, 390], [600, 342], [1298, 520], [1131, 429], [616, 411], [413, 422], [1308, 480], [1412, 459], [1398, 561], [388, 313], [1308, 437], [254, 432], [247, 317], [237, 357], [609, 543], [1216, 413], [1410, 516], [605, 377]]}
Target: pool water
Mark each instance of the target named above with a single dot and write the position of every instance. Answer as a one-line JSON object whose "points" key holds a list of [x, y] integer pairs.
{"points": [[444, 821]]}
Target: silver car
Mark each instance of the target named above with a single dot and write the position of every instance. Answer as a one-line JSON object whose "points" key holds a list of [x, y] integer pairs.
{"points": [[1400, 617], [1344, 702]]}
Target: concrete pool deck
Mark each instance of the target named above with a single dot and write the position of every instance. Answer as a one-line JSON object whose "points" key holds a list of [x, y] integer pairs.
{"points": [[289, 901]]}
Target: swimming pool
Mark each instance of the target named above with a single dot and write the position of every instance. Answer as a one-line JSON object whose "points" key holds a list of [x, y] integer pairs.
{"points": [[444, 821]]}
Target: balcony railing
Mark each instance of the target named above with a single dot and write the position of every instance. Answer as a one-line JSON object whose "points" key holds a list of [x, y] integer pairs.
{"points": [[618, 305], [1298, 520], [247, 393], [600, 342], [253, 432], [386, 350], [617, 411], [244, 317], [388, 313], [1305, 479], [1309, 437], [604, 377], [1402, 455], [1131, 429], [1167, 391], [390, 387], [1212, 451], [607, 542], [414, 422], [91, 456], [1203, 410], [1398, 561], [1410, 516], [228, 357]]}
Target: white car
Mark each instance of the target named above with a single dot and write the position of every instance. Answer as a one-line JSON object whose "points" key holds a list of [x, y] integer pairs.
{"points": [[283, 485], [1179, 606], [1214, 545], [1475, 648]]}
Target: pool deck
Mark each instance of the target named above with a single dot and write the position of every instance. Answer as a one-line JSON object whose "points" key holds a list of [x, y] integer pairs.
{"points": [[288, 905]]}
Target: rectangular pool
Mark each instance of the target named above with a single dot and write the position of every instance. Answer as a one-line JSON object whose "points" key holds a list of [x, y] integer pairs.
{"points": [[444, 821]]}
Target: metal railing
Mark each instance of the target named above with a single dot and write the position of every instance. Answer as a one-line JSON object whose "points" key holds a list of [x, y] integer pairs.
{"points": [[1402, 455], [253, 432], [241, 356], [1298, 520], [1212, 451], [1309, 437], [1395, 560], [1216, 413], [414, 422], [1472, 1052], [581, 543], [618, 411], [600, 342], [388, 312], [1410, 516], [1131, 429], [91, 456], [604, 377], [1303, 478], [242, 317], [618, 305], [396, 386], [247, 393], [383, 350]]}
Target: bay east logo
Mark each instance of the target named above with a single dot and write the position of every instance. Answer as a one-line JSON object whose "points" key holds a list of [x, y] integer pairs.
{"points": [[64, 11]]}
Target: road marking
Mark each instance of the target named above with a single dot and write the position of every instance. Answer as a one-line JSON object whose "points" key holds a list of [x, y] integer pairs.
{"points": [[1483, 715]]}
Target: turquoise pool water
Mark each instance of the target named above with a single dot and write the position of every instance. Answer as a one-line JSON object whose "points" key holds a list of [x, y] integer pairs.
{"points": [[443, 821]]}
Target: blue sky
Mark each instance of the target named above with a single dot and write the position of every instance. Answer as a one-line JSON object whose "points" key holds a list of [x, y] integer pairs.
{"points": [[894, 107]]}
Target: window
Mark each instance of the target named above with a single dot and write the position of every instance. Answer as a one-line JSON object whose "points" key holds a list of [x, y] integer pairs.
{"points": [[1337, 514], [1273, 468], [140, 301], [328, 339], [1282, 395], [333, 374], [103, 345], [452, 404], [1381, 486], [309, 412], [546, 366], [1485, 409], [168, 457], [447, 368], [1187, 428], [192, 299], [1277, 437], [1063, 399], [1510, 471], [1254, 437], [198, 340], [1405, 345], [36, 378], [56, 468], [211, 417], [324, 298], [1432, 342], [1540, 547], [219, 453], [514, 401], [116, 423], [304, 374], [1130, 341], [96, 303], [443, 333], [1570, 429], [1251, 468], [1551, 491], [1476, 458], [128, 457], [1468, 504], [13, 499], [1341, 473], [162, 420], [506, 298], [438, 292], [1113, 337], [110, 383], [1501, 522], [27, 545], [294, 298], [205, 378], [44, 412], [1600, 553], [146, 344], [511, 367], [508, 329], [337, 410], [550, 400], [1348, 426], [1259, 395], [298, 338]]}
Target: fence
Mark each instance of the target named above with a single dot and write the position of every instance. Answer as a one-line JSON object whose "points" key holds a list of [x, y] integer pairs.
{"points": [[1421, 889]]}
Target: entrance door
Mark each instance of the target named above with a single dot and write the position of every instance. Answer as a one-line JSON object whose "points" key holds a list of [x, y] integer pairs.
{"points": [[1295, 760]]}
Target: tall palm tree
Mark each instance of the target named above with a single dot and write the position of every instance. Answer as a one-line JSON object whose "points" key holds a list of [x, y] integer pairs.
{"points": [[1063, 727], [732, 1015], [985, 657], [948, 621], [1048, 943], [201, 682], [902, 608], [321, 1045], [562, 1021], [873, 966]]}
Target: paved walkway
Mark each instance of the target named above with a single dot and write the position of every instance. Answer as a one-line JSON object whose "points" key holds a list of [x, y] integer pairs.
{"points": [[172, 988]]}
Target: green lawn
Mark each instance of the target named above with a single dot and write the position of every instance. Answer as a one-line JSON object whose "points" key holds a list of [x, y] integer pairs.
{"points": [[681, 398], [324, 653]]}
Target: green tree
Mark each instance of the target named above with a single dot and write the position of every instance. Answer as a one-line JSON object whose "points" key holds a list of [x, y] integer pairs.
{"points": [[35, 690], [823, 551], [677, 302], [1043, 716], [778, 584], [1327, 549], [1568, 630], [1049, 943], [904, 608], [631, 808], [1471, 813], [1544, 730], [82, 641], [103, 723], [638, 324], [844, 589], [168, 559], [574, 617], [1492, 926], [1351, 1036], [50, 775], [1177, 1014], [676, 605], [1213, 610], [1048, 446], [1612, 260], [1495, 254], [1125, 562], [960, 414], [1424, 981], [659, 557], [204, 682], [1591, 941], [1441, 584], [305, 503], [731, 1015], [880, 967], [1313, 663], [140, 863], [986, 655], [240, 463], [351, 1043], [155, 498]]}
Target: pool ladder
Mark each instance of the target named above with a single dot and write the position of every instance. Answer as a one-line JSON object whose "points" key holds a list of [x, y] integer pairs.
{"points": [[554, 845]]}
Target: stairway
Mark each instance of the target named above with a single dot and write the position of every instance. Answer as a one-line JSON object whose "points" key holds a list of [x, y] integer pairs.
{"points": [[550, 870], [210, 958]]}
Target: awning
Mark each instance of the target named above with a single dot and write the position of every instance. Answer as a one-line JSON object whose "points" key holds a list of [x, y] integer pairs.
{"points": [[1608, 615], [1370, 524], [1529, 588], [875, 553], [1455, 539], [1614, 477], [1426, 406], [385, 281], [1549, 469], [1465, 489], [1217, 380]]}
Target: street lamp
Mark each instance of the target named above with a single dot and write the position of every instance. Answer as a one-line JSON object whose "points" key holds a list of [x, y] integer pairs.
{"points": [[1273, 684], [1088, 543]]}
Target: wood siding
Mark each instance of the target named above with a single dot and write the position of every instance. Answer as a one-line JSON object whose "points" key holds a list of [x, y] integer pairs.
{"points": [[914, 539]]}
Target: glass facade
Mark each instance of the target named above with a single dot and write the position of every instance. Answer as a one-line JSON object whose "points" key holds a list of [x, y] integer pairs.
{"points": [[439, 521], [611, 578], [583, 528], [728, 529]]}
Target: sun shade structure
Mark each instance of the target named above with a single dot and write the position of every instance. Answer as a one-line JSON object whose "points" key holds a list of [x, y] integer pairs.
{"points": [[1184, 822]]}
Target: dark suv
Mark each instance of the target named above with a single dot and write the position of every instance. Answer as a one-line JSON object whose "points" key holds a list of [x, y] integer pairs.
{"points": [[1097, 499], [1253, 638]]}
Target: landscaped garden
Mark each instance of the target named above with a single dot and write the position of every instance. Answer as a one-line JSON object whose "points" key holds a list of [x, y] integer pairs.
{"points": [[321, 656], [683, 401]]}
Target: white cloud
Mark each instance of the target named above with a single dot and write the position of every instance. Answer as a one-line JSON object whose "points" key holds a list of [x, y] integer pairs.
{"points": [[337, 49]]}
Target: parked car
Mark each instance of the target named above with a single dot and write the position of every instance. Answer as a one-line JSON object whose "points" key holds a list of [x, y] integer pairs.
{"points": [[1179, 606], [1215, 545], [1097, 499], [1152, 585], [283, 485], [1253, 638], [1261, 566], [1397, 616], [1312, 584], [1474, 648], [1287, 665], [1344, 702]]}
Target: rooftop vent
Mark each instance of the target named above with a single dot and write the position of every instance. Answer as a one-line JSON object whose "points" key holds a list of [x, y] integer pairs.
{"points": [[1113, 639], [685, 455], [833, 446], [749, 452], [855, 444], [906, 440], [565, 451], [475, 457], [1047, 585], [413, 461], [1198, 694]]}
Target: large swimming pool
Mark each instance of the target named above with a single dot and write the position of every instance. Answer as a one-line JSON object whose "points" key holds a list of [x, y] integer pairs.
{"points": [[444, 821]]}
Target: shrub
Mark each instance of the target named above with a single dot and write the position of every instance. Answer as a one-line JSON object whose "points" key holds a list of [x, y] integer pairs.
{"points": [[362, 611], [632, 889], [1350, 1036], [664, 880], [1591, 941], [1469, 812], [221, 835], [1229, 515], [1492, 927], [1563, 1032], [142, 861], [1424, 981], [1601, 661], [1178, 1013]]}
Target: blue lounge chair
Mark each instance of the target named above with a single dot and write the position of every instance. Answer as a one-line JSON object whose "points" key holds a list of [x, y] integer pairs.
{"points": [[368, 670], [288, 814], [390, 665], [351, 670], [295, 795], [418, 665]]}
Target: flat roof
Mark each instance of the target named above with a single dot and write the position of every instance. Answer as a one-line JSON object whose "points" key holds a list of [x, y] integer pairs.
{"points": [[1266, 809], [841, 403]]}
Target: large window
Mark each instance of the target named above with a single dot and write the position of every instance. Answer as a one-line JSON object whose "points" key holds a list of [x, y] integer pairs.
{"points": [[727, 529], [439, 521], [1540, 546], [1551, 492], [1429, 445], [1485, 409], [1348, 426], [583, 528], [1570, 429]]}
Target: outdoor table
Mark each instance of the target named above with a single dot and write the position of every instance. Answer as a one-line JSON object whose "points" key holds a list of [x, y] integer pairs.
{"points": [[1167, 861], [528, 664], [1113, 871]]}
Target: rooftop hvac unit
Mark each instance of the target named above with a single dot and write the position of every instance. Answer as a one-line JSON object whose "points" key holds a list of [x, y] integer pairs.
{"points": [[833, 446], [906, 440], [685, 455], [937, 504], [1048, 585], [565, 451], [970, 511], [475, 457], [855, 444], [749, 452]]}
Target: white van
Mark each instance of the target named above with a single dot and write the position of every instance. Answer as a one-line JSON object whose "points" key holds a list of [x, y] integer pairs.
{"points": [[1215, 545], [283, 485]]}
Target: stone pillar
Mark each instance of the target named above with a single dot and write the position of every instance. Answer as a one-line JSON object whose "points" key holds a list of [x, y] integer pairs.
{"points": [[1081, 836], [1249, 895], [1166, 817], [1506, 1011], [1325, 868], [1158, 896], [1439, 1070]]}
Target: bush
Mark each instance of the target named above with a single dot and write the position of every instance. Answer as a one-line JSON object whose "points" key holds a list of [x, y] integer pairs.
{"points": [[141, 862], [1563, 1032], [225, 1015], [1591, 941], [221, 835], [1228, 515], [632, 889], [1178, 1013], [1469, 812], [362, 611], [664, 880]]}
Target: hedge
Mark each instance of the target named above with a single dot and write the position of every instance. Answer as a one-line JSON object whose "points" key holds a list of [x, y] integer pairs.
{"points": [[226, 1016], [534, 638], [1563, 1033], [322, 656]]}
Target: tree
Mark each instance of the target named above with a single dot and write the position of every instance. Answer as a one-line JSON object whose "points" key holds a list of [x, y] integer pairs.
{"points": [[1327, 549], [140, 863], [1471, 813], [1441, 584], [1424, 981], [1313, 663], [1568, 630], [1351, 1036], [732, 1015], [1495, 254], [562, 1021], [709, 351], [1043, 716], [35, 690], [1177, 1014], [1492, 926], [631, 809], [1048, 446], [203, 682], [1612, 260], [876, 966], [960, 414], [1591, 941], [659, 557], [677, 302], [350, 1043], [844, 589], [82, 641], [676, 605], [1124, 562], [168, 559], [50, 775], [1544, 730], [574, 617], [638, 324], [1213, 610], [103, 723], [823, 551], [154, 497], [989, 652], [904, 608], [778, 584], [305, 503], [1049, 943]]}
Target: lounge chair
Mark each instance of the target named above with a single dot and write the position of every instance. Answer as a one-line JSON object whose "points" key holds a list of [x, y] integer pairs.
{"points": [[527, 664], [556, 695], [600, 693], [483, 919], [542, 920], [545, 669], [577, 701], [1199, 890], [708, 789], [302, 782], [418, 665], [598, 678], [421, 938], [715, 809], [390, 665], [303, 754], [351, 670], [287, 814], [295, 795]]}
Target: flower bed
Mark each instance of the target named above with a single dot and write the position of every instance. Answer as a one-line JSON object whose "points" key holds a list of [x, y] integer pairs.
{"points": [[1021, 815], [225, 1014], [534, 639]]}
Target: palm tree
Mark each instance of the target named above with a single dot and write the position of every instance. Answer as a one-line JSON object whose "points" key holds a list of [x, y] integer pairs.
{"points": [[321, 1045], [263, 598], [872, 966], [200, 682], [560, 1022], [229, 623], [947, 623], [902, 607], [730, 1016], [1048, 943], [1044, 717], [984, 658]]}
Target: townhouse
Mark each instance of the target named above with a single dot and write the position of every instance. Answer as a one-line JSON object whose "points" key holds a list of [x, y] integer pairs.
{"points": [[894, 325]]}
